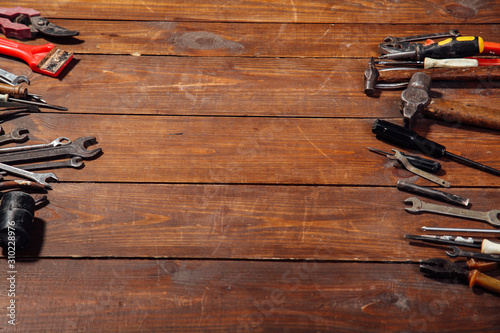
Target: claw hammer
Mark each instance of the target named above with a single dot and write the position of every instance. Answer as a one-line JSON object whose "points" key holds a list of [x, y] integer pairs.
{"points": [[415, 100]]}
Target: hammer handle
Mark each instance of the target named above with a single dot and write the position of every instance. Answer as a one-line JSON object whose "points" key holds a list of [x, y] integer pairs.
{"points": [[487, 73], [456, 112]]}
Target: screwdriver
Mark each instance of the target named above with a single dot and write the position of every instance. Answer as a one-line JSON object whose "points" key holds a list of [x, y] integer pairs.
{"points": [[455, 47], [417, 161], [411, 140]]}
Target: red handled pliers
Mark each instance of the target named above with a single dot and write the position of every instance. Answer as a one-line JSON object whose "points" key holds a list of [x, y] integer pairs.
{"points": [[26, 23]]}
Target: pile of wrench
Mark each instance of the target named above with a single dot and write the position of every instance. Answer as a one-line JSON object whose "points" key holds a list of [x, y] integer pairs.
{"points": [[416, 65]]}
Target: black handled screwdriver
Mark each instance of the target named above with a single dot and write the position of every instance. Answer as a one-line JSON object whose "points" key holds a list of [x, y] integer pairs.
{"points": [[456, 47], [408, 139], [417, 161]]}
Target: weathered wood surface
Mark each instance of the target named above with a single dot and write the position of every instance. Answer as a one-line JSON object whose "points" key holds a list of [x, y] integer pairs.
{"points": [[235, 192], [244, 296]]}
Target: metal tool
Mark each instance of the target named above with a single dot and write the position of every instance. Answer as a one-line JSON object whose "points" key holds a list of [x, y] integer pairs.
{"points": [[13, 79], [453, 240], [74, 162], [415, 98], [60, 141], [418, 205], [404, 161], [446, 34], [457, 252], [417, 161], [16, 135], [75, 148], [21, 23], [453, 47], [40, 178], [411, 140], [432, 193], [469, 272], [490, 231], [41, 104]]}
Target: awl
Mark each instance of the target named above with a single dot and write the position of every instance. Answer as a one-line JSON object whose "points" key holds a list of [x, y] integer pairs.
{"points": [[45, 59]]}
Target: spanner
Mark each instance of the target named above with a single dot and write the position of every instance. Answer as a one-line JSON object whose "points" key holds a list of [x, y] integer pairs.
{"points": [[76, 148], [40, 178], [61, 141], [13, 79], [75, 162], [419, 206], [450, 33], [457, 252], [16, 135]]}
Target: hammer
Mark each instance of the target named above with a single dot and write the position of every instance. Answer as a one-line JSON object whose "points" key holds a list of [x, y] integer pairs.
{"points": [[415, 100]]}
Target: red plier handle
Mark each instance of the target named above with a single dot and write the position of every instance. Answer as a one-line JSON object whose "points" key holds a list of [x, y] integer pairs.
{"points": [[491, 48]]}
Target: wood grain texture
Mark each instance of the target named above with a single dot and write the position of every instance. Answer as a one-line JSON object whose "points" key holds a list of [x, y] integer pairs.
{"points": [[298, 11], [245, 150], [239, 222], [243, 296]]}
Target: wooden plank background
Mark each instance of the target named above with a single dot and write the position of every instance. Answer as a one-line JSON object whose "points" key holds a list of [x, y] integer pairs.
{"points": [[235, 192]]}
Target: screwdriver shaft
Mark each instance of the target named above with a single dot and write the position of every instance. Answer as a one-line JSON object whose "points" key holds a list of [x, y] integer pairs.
{"points": [[473, 164]]}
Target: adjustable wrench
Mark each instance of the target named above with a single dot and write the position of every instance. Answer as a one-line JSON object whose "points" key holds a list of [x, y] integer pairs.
{"points": [[76, 148], [40, 178], [16, 135], [418, 205]]}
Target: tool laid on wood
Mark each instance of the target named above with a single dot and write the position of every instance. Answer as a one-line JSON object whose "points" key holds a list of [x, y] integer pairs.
{"points": [[402, 159], [469, 272], [415, 100], [391, 39], [457, 252], [418, 206], [45, 59], [409, 139], [13, 79], [432, 193], [17, 212], [487, 231], [24, 23], [485, 245], [417, 161]]}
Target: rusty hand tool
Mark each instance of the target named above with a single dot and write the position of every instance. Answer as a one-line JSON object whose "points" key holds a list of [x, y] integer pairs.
{"points": [[487, 231], [45, 59], [457, 252], [404, 161], [411, 140], [13, 79], [415, 100], [418, 206], [76, 148], [469, 272], [16, 183], [16, 135], [432, 193], [75, 162], [60, 141], [451, 240], [21, 23], [417, 161]]}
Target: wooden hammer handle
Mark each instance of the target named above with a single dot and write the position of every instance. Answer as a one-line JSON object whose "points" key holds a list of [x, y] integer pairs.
{"points": [[456, 112], [486, 73]]}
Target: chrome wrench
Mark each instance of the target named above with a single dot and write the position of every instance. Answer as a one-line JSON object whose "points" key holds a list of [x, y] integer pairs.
{"points": [[75, 162], [75, 148], [40, 178], [418, 205], [450, 33], [61, 141]]}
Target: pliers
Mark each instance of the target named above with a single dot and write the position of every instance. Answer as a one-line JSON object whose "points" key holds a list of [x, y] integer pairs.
{"points": [[25, 23], [467, 271]]}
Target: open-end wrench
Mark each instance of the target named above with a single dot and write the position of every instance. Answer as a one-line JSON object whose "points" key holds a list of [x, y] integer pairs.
{"points": [[76, 148], [418, 205], [74, 162], [40, 178], [16, 135], [457, 252], [13, 79], [449, 33], [61, 141]]}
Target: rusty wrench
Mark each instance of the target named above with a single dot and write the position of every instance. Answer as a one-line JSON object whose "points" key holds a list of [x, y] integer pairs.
{"points": [[75, 162], [16, 135], [61, 141], [76, 148]]}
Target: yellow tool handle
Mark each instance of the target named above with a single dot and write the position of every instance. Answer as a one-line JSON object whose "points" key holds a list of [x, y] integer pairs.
{"points": [[483, 280]]}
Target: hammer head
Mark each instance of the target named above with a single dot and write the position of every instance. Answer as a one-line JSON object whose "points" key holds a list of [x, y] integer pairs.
{"points": [[415, 98], [371, 76]]}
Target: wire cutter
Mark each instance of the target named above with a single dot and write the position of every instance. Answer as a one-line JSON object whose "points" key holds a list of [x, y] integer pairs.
{"points": [[467, 271], [25, 23]]}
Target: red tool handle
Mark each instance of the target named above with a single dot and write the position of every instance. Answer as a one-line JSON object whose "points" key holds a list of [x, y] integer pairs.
{"points": [[32, 54], [491, 48]]}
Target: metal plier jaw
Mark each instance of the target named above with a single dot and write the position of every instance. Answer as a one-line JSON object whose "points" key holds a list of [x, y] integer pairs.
{"points": [[396, 47], [26, 23]]}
